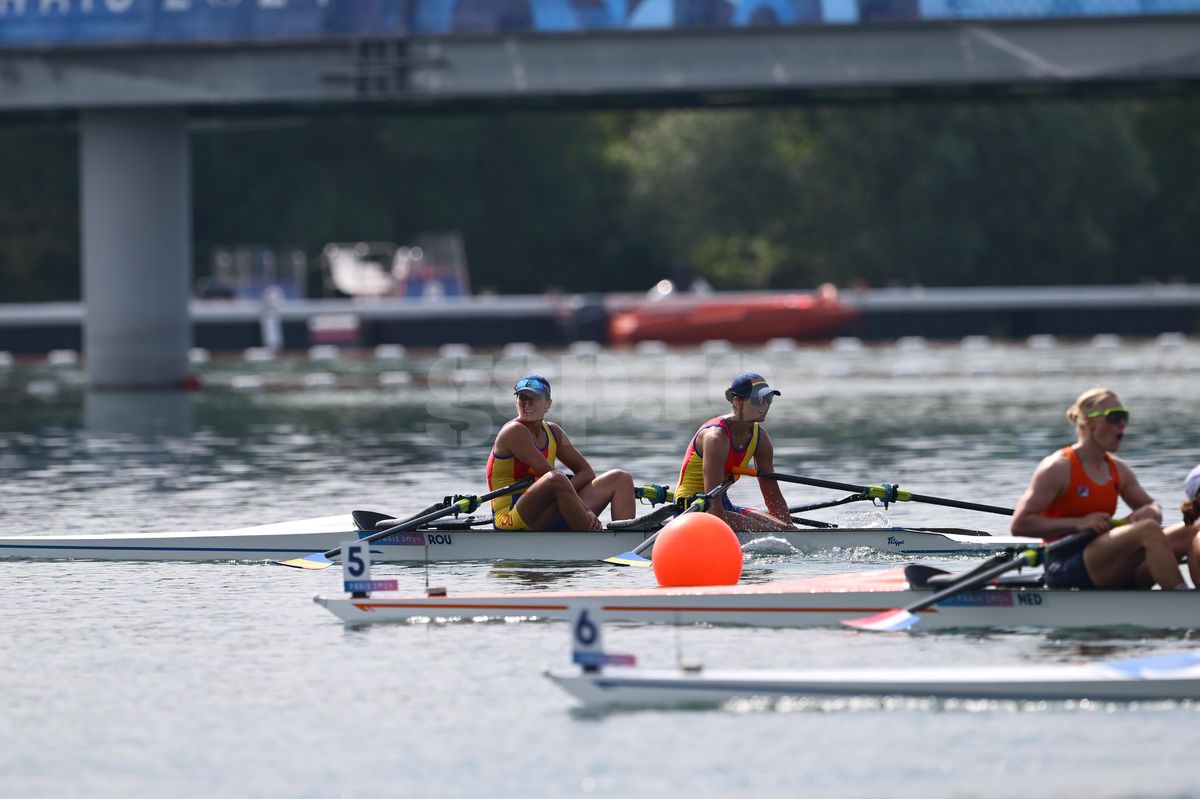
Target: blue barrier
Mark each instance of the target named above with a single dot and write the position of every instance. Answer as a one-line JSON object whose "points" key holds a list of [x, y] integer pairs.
{"points": [[25, 23]]}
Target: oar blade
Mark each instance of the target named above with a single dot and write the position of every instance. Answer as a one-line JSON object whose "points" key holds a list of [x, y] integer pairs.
{"points": [[314, 561], [886, 622], [628, 559]]}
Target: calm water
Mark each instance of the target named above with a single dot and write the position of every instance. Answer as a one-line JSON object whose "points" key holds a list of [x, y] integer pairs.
{"points": [[225, 679]]}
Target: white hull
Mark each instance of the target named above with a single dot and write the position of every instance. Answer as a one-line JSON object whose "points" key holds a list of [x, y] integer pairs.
{"points": [[812, 602], [1169, 677], [292, 539]]}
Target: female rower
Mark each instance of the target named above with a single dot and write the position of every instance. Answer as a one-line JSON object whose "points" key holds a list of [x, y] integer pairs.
{"points": [[736, 439], [529, 445], [1185, 536], [1077, 488]]}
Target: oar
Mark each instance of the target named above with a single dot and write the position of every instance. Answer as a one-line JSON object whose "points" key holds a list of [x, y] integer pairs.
{"points": [[321, 560], [903, 618], [700, 503], [654, 493], [886, 493]]}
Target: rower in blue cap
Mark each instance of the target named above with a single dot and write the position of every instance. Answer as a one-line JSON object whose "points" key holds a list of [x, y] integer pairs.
{"points": [[734, 440], [528, 446]]}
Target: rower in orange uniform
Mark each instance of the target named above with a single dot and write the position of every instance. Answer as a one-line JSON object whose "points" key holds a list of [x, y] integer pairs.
{"points": [[736, 439], [1077, 488], [530, 445]]}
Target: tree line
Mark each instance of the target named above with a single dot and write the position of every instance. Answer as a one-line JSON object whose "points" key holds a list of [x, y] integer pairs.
{"points": [[935, 193]]}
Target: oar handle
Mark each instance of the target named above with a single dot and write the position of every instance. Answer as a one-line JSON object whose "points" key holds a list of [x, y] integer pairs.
{"points": [[463, 505], [654, 493], [699, 503], [886, 493]]}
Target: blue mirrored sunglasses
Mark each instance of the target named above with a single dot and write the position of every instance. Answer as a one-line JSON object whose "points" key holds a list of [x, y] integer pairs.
{"points": [[532, 385]]}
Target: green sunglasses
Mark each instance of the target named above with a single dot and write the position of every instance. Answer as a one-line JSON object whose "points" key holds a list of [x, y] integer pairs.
{"points": [[1111, 415]]}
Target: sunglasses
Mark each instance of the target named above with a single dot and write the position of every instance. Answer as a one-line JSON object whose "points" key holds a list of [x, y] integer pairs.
{"points": [[762, 400], [532, 385], [1111, 415]]}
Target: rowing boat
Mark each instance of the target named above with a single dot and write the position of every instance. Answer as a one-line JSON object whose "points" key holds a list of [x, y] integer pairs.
{"points": [[437, 544], [1174, 676], [807, 602]]}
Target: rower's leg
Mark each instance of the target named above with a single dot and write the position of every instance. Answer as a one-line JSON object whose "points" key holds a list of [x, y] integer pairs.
{"points": [[757, 521], [1194, 555], [614, 487], [1180, 537], [1112, 559], [553, 496]]}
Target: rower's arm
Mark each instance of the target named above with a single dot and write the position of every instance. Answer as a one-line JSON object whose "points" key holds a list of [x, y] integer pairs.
{"points": [[517, 440], [1137, 498], [1049, 481], [714, 449], [582, 471], [764, 461]]}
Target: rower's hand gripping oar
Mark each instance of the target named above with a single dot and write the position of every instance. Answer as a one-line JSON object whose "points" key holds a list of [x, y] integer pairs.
{"points": [[903, 618], [321, 560], [700, 503], [654, 494], [886, 493]]}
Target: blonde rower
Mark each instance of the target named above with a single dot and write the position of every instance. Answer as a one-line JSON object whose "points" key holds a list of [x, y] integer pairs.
{"points": [[1077, 488]]}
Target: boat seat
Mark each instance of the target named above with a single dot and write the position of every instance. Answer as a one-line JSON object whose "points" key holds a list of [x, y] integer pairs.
{"points": [[922, 576], [368, 520], [648, 523], [1004, 580]]}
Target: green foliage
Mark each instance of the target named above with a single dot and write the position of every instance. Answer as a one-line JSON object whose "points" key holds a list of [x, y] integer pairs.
{"points": [[39, 220], [940, 194], [935, 193], [1165, 242], [535, 196], [714, 186]]}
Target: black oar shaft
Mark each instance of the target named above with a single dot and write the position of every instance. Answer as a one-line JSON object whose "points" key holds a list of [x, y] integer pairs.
{"points": [[902, 496], [976, 578], [958, 503], [437, 514]]}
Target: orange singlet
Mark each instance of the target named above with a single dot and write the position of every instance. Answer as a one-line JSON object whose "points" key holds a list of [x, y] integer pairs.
{"points": [[1084, 495]]}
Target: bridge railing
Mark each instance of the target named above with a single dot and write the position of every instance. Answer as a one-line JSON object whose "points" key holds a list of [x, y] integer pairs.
{"points": [[58, 23]]}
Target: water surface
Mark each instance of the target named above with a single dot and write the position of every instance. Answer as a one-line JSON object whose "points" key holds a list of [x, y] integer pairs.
{"points": [[224, 678]]}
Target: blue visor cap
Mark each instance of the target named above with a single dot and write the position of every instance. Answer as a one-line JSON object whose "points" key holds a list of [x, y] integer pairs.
{"points": [[535, 384], [751, 386]]}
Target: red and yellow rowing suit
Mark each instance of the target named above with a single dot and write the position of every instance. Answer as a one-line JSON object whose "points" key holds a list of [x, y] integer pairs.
{"points": [[504, 471], [691, 474]]}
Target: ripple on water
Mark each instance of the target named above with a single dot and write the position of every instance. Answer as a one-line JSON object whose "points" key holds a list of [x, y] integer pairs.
{"points": [[224, 678]]}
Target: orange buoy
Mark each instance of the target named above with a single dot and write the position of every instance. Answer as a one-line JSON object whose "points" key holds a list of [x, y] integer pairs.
{"points": [[697, 549]]}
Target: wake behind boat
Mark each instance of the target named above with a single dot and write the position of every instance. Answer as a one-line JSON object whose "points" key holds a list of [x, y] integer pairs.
{"points": [[809, 602], [457, 542]]}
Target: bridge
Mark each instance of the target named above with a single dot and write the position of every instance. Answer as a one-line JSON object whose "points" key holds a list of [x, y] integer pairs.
{"points": [[133, 72]]}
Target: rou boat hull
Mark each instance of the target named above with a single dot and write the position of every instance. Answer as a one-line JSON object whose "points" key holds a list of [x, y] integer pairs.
{"points": [[297, 538], [811, 602]]}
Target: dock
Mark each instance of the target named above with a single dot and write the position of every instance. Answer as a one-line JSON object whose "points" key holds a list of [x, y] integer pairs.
{"points": [[999, 313]]}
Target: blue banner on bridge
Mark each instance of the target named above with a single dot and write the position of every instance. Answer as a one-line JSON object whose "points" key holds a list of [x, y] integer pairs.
{"points": [[26, 23]]}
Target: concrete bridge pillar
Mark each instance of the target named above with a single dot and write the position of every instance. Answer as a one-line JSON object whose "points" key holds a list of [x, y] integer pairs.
{"points": [[135, 193]]}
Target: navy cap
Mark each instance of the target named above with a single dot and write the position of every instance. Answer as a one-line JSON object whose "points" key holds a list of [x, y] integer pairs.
{"points": [[750, 385], [534, 384]]}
